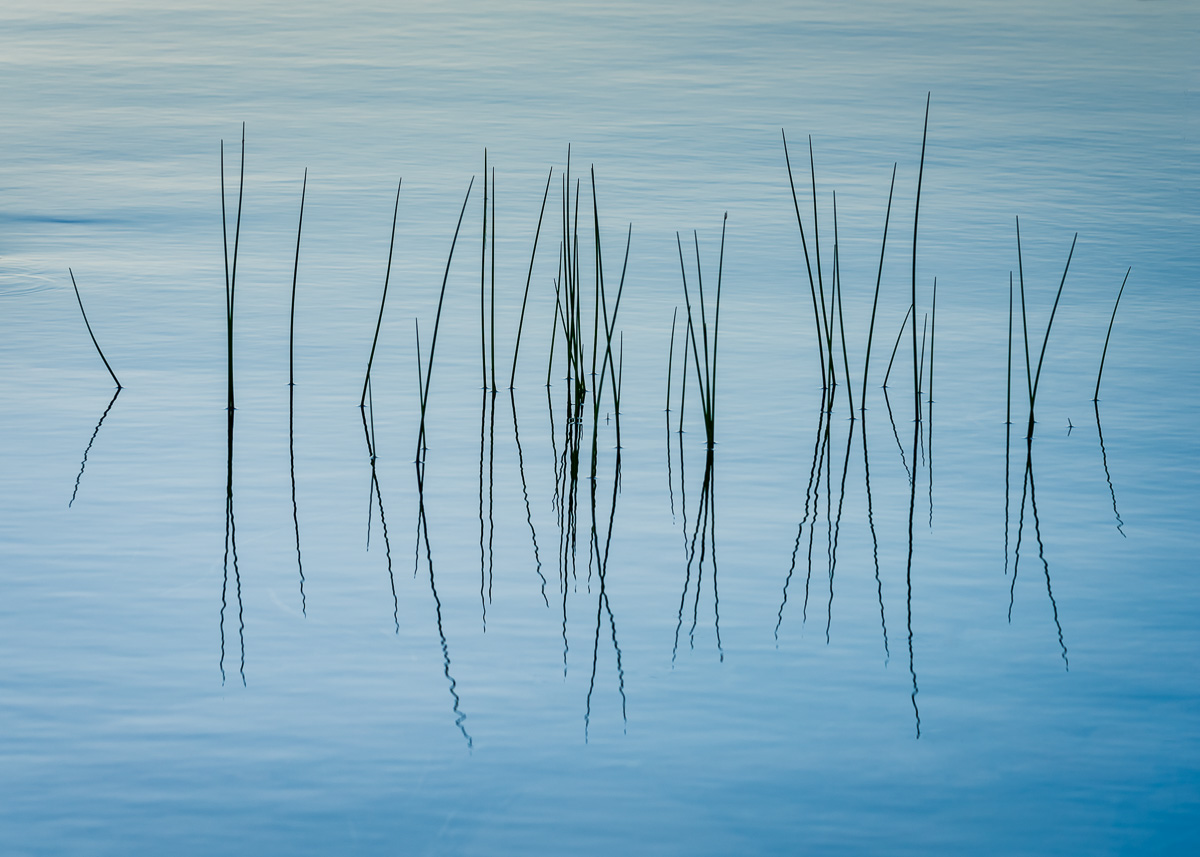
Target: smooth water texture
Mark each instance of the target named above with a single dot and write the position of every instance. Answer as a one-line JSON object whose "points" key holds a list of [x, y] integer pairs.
{"points": [[805, 644]]}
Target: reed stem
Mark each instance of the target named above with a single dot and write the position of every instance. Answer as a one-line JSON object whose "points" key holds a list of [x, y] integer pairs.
{"points": [[383, 301], [295, 274], [1104, 353], [528, 280], [92, 335]]}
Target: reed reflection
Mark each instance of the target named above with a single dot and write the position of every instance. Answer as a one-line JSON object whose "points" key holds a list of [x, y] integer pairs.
{"points": [[603, 606], [231, 563], [88, 449], [1107, 476], [423, 539], [1029, 492], [537, 558], [375, 494], [700, 545]]}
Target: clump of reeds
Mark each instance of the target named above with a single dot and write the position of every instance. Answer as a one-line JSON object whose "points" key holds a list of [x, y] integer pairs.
{"points": [[706, 371], [1033, 378]]}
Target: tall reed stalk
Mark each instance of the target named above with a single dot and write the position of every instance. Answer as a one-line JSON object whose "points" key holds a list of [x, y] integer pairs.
{"points": [[528, 280], [706, 374], [1104, 353], [916, 221], [812, 284], [1037, 376], [93, 336], [231, 270], [878, 279], [383, 301], [295, 275], [896, 347]]}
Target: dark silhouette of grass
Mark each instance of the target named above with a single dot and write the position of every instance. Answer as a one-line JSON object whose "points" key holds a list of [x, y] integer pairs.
{"points": [[231, 270], [424, 398], [528, 280], [90, 333], [875, 304], [383, 301], [1107, 336]]}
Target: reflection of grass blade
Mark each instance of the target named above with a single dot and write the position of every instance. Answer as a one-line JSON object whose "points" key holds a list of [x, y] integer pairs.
{"points": [[1107, 476], [1104, 353], [100, 422]]}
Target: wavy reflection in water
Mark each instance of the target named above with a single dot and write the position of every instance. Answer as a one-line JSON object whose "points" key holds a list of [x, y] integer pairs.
{"points": [[809, 507], [1028, 490], [1107, 476], [603, 605], [537, 558], [908, 569], [837, 528], [700, 545], [899, 445], [96, 431], [368, 421], [295, 505], [423, 534], [874, 538], [485, 522], [231, 562]]}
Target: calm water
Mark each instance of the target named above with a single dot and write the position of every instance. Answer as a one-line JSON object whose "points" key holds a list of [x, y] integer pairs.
{"points": [[804, 649]]}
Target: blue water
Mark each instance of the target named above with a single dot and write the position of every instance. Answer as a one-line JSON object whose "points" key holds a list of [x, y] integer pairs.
{"points": [[970, 696]]}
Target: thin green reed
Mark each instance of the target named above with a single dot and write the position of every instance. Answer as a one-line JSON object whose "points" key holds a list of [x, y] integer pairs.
{"points": [[528, 280], [896, 347], [807, 263], [837, 291], [916, 221], [1008, 375], [295, 274], [671, 357], [437, 321], [492, 323], [383, 301], [231, 271], [826, 315], [482, 277], [878, 279], [705, 374], [932, 337], [92, 335], [1104, 353], [1046, 339], [1037, 375]]}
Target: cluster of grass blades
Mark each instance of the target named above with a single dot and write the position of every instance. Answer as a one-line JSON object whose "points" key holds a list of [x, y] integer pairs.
{"points": [[1033, 377], [706, 371]]}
